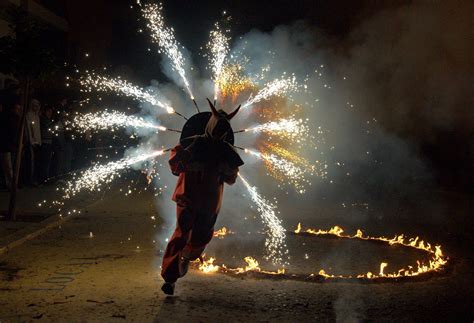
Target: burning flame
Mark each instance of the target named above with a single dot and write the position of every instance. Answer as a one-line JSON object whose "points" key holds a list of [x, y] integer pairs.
{"points": [[222, 232], [207, 266], [436, 263]]}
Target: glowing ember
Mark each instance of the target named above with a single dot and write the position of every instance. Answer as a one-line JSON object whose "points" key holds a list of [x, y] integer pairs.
{"points": [[277, 87], [113, 120], [275, 242], [164, 37], [104, 84]]}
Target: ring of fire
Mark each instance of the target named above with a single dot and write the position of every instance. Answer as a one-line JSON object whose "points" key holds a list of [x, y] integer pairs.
{"points": [[437, 262]]}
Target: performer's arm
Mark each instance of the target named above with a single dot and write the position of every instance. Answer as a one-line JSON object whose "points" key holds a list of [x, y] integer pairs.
{"points": [[230, 175], [179, 158]]}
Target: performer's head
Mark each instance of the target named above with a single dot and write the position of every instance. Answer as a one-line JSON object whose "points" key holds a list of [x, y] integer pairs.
{"points": [[218, 125]]}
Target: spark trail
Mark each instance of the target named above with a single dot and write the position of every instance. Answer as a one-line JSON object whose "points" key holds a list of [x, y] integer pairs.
{"points": [[285, 170], [277, 87], [275, 243], [93, 178], [289, 128], [164, 37], [219, 48], [118, 85], [105, 120]]}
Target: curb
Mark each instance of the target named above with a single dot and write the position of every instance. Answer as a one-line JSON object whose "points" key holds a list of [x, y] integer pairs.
{"points": [[21, 236]]}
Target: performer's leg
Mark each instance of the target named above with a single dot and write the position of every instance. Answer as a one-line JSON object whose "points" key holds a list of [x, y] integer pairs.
{"points": [[201, 235], [170, 266]]}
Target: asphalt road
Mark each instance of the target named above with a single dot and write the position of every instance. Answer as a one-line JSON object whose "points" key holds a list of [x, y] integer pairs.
{"points": [[103, 266]]}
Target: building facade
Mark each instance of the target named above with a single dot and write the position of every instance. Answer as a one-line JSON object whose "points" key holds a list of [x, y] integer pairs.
{"points": [[50, 12]]}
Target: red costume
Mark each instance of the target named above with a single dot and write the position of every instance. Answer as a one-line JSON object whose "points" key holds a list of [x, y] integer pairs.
{"points": [[203, 167]]}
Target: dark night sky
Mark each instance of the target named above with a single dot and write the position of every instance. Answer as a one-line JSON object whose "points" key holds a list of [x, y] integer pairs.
{"points": [[108, 29]]}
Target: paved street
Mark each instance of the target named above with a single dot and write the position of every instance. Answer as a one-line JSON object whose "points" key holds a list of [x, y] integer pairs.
{"points": [[103, 266]]}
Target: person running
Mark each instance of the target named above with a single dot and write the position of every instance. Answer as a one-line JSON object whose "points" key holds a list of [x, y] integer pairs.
{"points": [[203, 167]]}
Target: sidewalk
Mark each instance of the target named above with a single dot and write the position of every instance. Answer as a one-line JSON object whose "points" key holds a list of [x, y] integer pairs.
{"points": [[32, 220]]}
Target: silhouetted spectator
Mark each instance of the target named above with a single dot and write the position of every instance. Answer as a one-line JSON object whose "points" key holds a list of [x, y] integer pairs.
{"points": [[60, 151], [32, 142]]}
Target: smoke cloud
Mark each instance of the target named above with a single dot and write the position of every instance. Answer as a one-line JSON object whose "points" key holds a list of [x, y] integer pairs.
{"points": [[389, 96]]}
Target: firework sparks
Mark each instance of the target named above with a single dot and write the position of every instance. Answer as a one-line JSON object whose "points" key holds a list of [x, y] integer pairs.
{"points": [[275, 242], [93, 178], [294, 171], [164, 37], [290, 128], [104, 84], [113, 120], [219, 48], [277, 87], [232, 82]]}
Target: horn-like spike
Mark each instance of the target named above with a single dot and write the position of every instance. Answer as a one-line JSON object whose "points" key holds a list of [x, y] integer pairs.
{"points": [[213, 108], [233, 113]]}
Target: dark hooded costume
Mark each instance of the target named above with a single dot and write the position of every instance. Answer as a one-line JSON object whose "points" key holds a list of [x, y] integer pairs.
{"points": [[203, 167]]}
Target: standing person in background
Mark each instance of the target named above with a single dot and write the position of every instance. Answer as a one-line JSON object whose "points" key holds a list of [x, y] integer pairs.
{"points": [[68, 143], [64, 138], [33, 142], [59, 139], [46, 151]]}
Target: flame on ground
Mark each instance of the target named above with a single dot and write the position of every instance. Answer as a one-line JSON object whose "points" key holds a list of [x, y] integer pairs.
{"points": [[222, 232], [437, 262], [207, 266]]}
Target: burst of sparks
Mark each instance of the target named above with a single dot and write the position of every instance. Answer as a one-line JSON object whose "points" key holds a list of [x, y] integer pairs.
{"points": [[219, 48], [285, 170], [277, 87], [118, 85], [232, 82], [113, 120], [275, 242], [93, 178], [164, 37], [290, 128]]}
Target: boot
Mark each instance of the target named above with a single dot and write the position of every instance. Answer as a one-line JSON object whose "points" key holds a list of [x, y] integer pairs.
{"points": [[168, 288], [183, 265]]}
